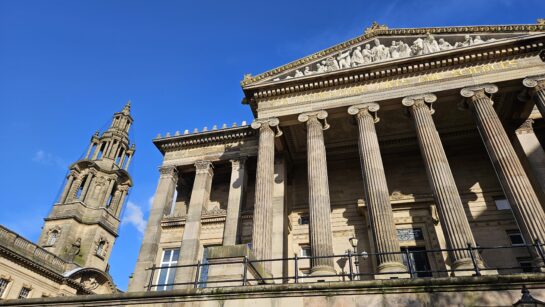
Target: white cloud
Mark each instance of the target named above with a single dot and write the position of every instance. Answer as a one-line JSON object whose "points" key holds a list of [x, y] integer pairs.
{"points": [[134, 216], [47, 158]]}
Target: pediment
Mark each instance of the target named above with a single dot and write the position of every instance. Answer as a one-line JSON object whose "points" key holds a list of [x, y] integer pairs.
{"points": [[379, 45]]}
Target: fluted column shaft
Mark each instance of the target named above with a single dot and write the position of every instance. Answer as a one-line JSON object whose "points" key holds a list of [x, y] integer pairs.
{"points": [[513, 179], [262, 219], [377, 197], [451, 210], [189, 249], [318, 193], [150, 243]]}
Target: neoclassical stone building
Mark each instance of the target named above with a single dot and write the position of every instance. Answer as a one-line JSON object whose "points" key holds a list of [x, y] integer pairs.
{"points": [[71, 255], [410, 154]]}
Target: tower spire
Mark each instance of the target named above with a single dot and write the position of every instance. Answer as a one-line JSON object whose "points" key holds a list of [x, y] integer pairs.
{"points": [[127, 108], [95, 192]]}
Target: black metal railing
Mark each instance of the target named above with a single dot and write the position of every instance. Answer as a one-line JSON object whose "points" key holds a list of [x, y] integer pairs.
{"points": [[478, 263]]}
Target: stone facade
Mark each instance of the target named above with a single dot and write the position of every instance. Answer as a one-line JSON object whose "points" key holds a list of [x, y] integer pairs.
{"points": [[444, 174], [71, 255], [398, 154]]}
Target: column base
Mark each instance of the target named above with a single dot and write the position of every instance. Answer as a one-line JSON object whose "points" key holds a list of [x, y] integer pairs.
{"points": [[322, 273], [469, 269], [227, 263], [392, 270]]}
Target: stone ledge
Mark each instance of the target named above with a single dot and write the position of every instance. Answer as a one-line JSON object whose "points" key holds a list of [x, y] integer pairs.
{"points": [[329, 289]]}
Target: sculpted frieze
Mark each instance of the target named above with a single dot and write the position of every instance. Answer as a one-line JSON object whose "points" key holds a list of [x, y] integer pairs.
{"points": [[376, 51], [390, 84]]}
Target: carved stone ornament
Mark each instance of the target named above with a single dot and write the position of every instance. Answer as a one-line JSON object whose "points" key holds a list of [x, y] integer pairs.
{"points": [[90, 283], [216, 211], [203, 166], [101, 246], [168, 170], [319, 115], [365, 108], [239, 163], [536, 83], [526, 127], [267, 122], [479, 91], [374, 51], [428, 99]]}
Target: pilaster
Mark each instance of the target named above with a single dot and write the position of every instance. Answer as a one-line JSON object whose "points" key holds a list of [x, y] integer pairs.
{"points": [[237, 189], [192, 230], [150, 244]]}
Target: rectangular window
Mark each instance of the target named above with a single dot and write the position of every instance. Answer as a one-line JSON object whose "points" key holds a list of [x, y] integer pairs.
{"points": [[3, 286], [165, 278], [305, 251], [515, 237], [419, 261], [24, 292], [304, 220], [502, 204], [410, 234]]}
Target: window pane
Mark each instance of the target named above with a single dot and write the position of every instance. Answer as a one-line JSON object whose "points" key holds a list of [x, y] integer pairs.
{"points": [[166, 255], [162, 279], [170, 279], [175, 255]]}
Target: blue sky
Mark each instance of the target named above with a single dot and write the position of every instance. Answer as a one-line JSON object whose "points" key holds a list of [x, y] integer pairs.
{"points": [[67, 66]]}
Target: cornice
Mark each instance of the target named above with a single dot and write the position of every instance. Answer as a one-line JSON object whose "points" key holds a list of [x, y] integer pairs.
{"points": [[388, 69], [384, 31], [204, 138]]}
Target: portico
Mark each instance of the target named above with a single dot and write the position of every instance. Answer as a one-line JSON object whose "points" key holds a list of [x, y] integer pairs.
{"points": [[406, 152]]}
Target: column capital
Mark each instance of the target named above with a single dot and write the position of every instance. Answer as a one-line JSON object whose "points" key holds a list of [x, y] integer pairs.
{"points": [[168, 171], [238, 163], [317, 115], [369, 108], [204, 167], [535, 83], [426, 99], [526, 127], [264, 123], [479, 91]]}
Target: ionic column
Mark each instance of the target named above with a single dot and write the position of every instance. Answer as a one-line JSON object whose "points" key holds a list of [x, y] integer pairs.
{"points": [[150, 244], [451, 210], [189, 248], [536, 84], [236, 191], [67, 188], [264, 184], [377, 197], [86, 186], [318, 191], [513, 179]]}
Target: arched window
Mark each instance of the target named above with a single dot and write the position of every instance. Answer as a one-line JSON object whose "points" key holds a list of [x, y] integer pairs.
{"points": [[53, 236], [101, 248], [111, 196], [80, 188]]}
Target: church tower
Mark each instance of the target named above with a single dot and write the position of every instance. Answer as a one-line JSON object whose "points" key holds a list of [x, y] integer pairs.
{"points": [[84, 222]]}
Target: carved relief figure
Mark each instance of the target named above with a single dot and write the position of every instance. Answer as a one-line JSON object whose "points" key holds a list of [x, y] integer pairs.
{"points": [[394, 53], [360, 55], [444, 45], [344, 60], [429, 44], [90, 283], [357, 57], [367, 54], [380, 52]]}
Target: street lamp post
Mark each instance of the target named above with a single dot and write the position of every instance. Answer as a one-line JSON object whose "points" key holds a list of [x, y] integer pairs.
{"points": [[364, 255]]}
